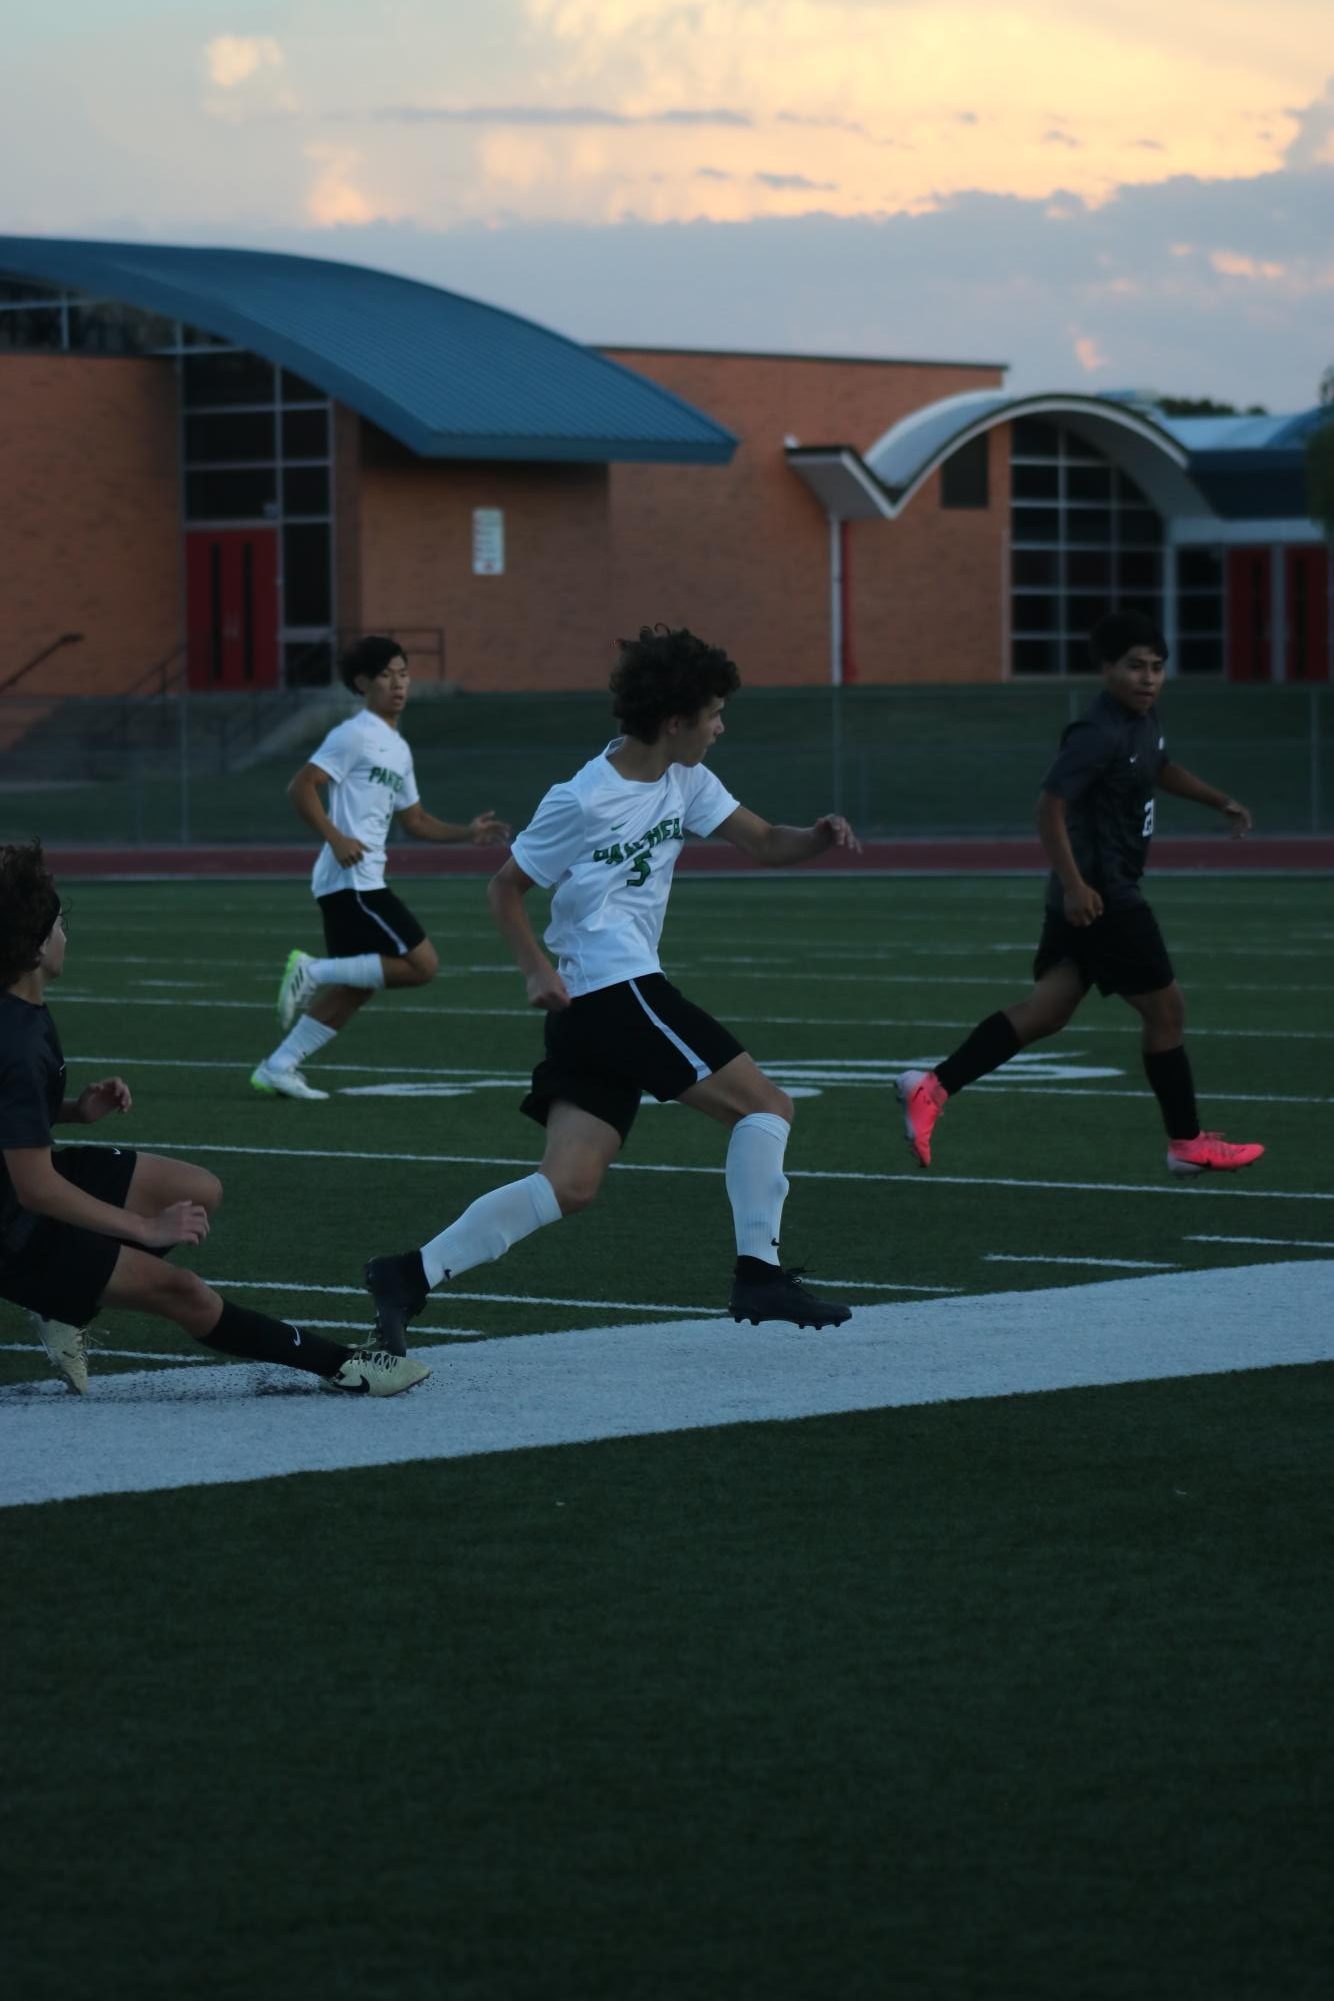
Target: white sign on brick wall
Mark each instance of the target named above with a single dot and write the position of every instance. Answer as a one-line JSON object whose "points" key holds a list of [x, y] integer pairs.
{"points": [[488, 542]]}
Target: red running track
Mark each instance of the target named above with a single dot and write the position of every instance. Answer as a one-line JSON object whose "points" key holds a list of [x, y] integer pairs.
{"points": [[1279, 854]]}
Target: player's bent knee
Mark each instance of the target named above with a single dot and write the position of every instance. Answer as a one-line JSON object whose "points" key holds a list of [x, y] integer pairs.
{"points": [[575, 1189], [210, 1190]]}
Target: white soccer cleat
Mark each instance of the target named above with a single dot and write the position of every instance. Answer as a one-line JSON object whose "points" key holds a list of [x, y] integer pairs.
{"points": [[67, 1347], [272, 1082], [373, 1372], [296, 989]]}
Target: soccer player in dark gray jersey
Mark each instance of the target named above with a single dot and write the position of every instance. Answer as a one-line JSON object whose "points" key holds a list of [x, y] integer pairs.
{"points": [[1095, 819]]}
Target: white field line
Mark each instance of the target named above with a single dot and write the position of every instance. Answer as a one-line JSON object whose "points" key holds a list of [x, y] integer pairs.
{"points": [[503, 1298], [1047, 1258], [486, 1078], [1203, 1184], [35, 1347], [1122, 1026], [170, 1428], [1279, 1243]]}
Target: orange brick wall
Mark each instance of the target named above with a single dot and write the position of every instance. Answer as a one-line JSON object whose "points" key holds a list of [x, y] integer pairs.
{"points": [[91, 540], [742, 553]]}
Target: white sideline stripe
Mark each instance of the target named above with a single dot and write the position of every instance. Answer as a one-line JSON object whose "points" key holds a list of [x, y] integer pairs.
{"points": [[1049, 1258], [984, 1087], [1282, 1243], [203, 1427], [96, 1349], [1121, 1026], [1202, 1184], [505, 1298]]}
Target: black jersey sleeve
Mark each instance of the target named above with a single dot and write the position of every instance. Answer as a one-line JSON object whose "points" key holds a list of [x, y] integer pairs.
{"points": [[24, 1116], [1086, 750]]}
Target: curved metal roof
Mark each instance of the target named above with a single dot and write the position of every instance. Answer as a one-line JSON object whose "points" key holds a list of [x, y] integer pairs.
{"points": [[911, 450], [446, 375]]}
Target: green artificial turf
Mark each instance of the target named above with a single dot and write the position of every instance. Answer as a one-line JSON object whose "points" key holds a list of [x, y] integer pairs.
{"points": [[1022, 1698]]}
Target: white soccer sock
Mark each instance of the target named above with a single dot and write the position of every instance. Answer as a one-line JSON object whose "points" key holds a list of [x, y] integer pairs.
{"points": [[487, 1229], [366, 969], [756, 1186], [304, 1040]]}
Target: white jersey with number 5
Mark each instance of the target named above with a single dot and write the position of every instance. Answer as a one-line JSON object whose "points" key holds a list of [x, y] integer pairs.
{"points": [[608, 845], [370, 779]]}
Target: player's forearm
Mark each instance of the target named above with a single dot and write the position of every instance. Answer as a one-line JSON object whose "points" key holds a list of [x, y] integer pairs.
{"points": [[511, 920], [425, 827], [70, 1114], [1055, 838], [783, 847], [1184, 784], [310, 808], [49, 1194]]}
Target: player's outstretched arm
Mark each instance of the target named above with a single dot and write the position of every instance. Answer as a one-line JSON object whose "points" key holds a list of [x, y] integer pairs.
{"points": [[110, 1094], [505, 893], [484, 830], [1184, 784], [304, 793], [783, 847]]}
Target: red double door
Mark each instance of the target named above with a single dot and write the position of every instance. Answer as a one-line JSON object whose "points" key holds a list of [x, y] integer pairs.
{"points": [[231, 589], [1258, 650]]}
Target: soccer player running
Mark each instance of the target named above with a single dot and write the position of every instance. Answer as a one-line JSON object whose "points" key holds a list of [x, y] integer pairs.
{"points": [[89, 1226], [607, 842], [371, 939], [1095, 820]]}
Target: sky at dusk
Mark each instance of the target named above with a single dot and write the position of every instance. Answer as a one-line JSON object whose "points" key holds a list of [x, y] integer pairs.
{"points": [[1104, 193]]}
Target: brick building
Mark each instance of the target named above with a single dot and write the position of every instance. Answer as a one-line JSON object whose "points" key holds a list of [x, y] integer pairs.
{"points": [[218, 462]]}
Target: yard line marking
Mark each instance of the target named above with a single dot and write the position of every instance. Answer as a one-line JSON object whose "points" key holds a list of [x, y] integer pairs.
{"points": [[881, 1285], [1046, 1258], [416, 1008], [918, 1180], [1281, 1243], [504, 1298], [125, 1354]]}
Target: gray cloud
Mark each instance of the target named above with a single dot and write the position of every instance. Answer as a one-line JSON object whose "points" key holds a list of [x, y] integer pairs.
{"points": [[546, 114], [1055, 138], [794, 181], [966, 117], [907, 284], [1315, 128], [1150, 145], [824, 124]]}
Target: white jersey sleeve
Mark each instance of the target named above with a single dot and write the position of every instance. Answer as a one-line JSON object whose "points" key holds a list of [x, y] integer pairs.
{"points": [[553, 840], [708, 801], [339, 751], [408, 793]]}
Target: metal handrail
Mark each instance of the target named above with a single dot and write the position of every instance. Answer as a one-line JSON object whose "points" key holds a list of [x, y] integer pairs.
{"points": [[65, 639]]}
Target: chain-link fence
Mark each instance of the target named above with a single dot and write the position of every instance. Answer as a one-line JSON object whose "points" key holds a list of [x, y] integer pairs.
{"points": [[897, 761]]}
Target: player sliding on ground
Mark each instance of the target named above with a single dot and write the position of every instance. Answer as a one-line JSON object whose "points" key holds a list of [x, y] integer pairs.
{"points": [[1095, 820], [89, 1226], [371, 939], [607, 842]]}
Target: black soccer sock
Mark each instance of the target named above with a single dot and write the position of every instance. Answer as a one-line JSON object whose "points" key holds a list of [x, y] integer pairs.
{"points": [[1168, 1070], [991, 1043], [259, 1339]]}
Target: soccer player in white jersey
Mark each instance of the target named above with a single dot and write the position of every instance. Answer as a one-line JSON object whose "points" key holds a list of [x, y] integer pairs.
{"points": [[371, 938], [607, 842]]}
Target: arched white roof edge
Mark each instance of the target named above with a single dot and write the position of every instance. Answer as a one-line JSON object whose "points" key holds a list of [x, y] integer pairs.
{"points": [[1157, 460]]}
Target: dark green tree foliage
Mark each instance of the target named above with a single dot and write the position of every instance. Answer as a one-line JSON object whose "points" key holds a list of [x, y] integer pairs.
{"points": [[1205, 406]]}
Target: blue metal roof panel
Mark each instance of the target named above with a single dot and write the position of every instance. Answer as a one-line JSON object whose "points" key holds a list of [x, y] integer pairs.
{"points": [[448, 376]]}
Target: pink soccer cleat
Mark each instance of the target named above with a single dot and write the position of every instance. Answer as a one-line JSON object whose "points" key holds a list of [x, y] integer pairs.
{"points": [[1206, 1150], [922, 1096]]}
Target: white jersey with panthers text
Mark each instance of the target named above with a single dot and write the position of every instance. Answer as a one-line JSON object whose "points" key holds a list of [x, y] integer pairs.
{"points": [[370, 779], [608, 845]]}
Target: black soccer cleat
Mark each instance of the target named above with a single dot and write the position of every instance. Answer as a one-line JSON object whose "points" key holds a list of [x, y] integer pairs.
{"points": [[768, 1292], [399, 1289]]}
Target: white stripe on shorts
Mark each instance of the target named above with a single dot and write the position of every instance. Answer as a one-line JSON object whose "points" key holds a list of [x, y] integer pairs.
{"points": [[702, 1069], [399, 947]]}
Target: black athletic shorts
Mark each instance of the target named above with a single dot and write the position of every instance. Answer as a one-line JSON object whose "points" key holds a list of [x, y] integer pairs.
{"points": [[368, 920], [607, 1048], [63, 1270], [1121, 952]]}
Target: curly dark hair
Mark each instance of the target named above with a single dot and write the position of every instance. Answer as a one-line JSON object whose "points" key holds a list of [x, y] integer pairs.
{"points": [[370, 656], [1120, 632], [667, 672], [29, 907]]}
